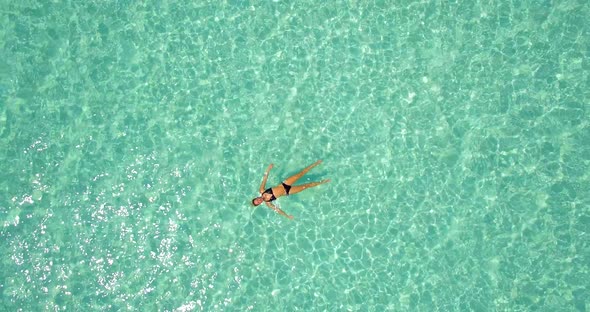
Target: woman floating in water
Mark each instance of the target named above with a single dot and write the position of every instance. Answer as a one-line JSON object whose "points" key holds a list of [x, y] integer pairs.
{"points": [[286, 188]]}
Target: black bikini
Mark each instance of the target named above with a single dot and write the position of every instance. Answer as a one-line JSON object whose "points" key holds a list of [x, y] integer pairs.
{"points": [[269, 191], [287, 187], [273, 197]]}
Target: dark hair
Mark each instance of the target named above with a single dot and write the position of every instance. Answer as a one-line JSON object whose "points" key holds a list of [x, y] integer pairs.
{"points": [[253, 203]]}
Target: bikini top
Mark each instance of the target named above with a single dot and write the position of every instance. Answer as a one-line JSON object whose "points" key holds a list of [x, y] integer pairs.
{"points": [[269, 191]]}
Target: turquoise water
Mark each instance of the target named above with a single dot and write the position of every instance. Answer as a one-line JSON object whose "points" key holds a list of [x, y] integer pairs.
{"points": [[133, 137]]}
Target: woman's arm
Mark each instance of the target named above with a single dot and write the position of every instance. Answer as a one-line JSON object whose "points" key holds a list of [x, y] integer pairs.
{"points": [[264, 179], [278, 210]]}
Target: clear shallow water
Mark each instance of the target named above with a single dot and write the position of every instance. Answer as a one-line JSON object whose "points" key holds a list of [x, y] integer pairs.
{"points": [[132, 138]]}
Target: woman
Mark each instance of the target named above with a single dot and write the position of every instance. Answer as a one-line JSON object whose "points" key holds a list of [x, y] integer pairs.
{"points": [[286, 188]]}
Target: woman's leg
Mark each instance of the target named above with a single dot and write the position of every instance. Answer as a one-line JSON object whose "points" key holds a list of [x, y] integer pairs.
{"points": [[298, 188], [293, 179]]}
